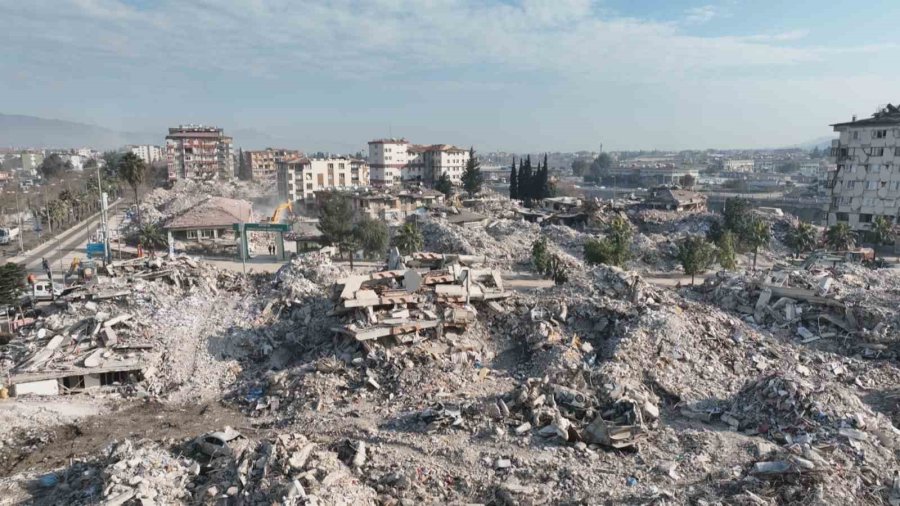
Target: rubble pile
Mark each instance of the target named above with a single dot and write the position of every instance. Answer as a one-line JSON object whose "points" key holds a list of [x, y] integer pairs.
{"points": [[161, 204], [654, 221], [502, 242]]}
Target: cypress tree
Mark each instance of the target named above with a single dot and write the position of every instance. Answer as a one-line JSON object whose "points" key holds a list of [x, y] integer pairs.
{"points": [[513, 181], [526, 181], [543, 189]]}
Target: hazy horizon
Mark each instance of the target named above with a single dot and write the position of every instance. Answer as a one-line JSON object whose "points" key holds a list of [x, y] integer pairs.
{"points": [[511, 75]]}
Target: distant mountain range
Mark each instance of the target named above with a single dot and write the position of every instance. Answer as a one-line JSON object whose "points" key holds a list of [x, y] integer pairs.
{"points": [[30, 131], [821, 143]]}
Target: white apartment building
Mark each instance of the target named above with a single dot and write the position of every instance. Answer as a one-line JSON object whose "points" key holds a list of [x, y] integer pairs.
{"points": [[443, 159], [299, 178], [395, 161], [387, 158], [199, 152], [146, 152], [866, 182], [31, 162], [737, 165]]}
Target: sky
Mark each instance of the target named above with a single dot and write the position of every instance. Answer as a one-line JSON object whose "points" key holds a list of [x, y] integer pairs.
{"points": [[515, 75]]}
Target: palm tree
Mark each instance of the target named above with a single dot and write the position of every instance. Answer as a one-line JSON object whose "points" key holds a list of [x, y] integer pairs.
{"points": [[840, 237], [132, 170], [882, 232], [802, 238], [408, 239], [151, 236], [758, 236]]}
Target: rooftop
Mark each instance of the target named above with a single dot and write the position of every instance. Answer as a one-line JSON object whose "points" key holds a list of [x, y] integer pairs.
{"points": [[214, 212], [887, 116], [390, 140]]}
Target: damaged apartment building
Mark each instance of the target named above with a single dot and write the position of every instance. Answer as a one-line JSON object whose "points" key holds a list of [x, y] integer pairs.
{"points": [[866, 183], [299, 178]]}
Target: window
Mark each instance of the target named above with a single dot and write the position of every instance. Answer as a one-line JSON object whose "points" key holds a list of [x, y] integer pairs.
{"points": [[330, 165], [872, 185], [897, 151], [856, 135], [191, 234], [865, 218], [877, 151], [875, 168], [880, 134], [309, 186], [842, 216], [849, 184]]}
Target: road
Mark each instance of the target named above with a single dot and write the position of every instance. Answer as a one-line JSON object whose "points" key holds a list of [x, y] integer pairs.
{"points": [[60, 250]]}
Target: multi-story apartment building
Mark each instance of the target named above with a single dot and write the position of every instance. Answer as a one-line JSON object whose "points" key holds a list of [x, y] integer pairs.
{"points": [[737, 165], [387, 158], [441, 159], [31, 161], [299, 178], [394, 161], [146, 152], [261, 165], [866, 182], [199, 152]]}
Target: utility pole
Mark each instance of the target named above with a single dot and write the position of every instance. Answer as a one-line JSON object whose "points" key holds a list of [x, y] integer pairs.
{"points": [[19, 222]]}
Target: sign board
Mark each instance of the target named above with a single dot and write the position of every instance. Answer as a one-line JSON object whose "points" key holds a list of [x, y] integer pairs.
{"points": [[95, 249]]}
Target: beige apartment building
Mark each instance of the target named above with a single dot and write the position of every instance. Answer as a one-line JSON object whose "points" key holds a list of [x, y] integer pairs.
{"points": [[866, 182], [199, 152], [261, 165], [396, 161], [299, 178]]}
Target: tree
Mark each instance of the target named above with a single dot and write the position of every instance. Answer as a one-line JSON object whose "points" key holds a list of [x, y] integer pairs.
{"points": [[243, 173], [557, 270], [526, 181], [372, 236], [802, 238], [111, 162], [513, 182], [540, 256], [444, 185], [687, 181], [614, 249], [336, 223], [54, 166], [725, 252], [132, 170], [542, 182], [882, 232], [152, 237], [840, 237], [12, 282], [472, 179], [580, 167], [736, 217], [90, 165], [408, 239], [696, 254], [758, 236], [599, 167], [787, 167]]}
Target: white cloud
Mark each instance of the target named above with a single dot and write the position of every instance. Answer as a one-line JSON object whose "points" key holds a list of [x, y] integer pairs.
{"points": [[701, 14]]}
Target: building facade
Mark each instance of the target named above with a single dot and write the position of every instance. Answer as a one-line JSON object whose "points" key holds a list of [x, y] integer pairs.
{"points": [[444, 159], [738, 165], [299, 178], [199, 152], [146, 152], [387, 158], [866, 181], [31, 161], [262, 165]]}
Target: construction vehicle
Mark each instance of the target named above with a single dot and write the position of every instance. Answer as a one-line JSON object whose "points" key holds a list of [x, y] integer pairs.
{"points": [[276, 215], [7, 234]]}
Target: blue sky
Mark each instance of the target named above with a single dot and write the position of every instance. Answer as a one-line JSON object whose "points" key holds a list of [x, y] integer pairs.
{"points": [[520, 75]]}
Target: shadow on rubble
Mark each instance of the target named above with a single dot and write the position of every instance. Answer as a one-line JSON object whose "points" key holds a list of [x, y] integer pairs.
{"points": [[886, 402]]}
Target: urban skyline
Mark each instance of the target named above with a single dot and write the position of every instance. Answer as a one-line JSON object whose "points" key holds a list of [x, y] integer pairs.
{"points": [[518, 75]]}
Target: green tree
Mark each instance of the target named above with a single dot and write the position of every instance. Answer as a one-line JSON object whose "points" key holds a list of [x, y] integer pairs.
{"points": [[882, 232], [557, 270], [687, 181], [444, 185], [111, 162], [599, 167], [336, 223], [513, 182], [372, 236], [737, 217], [725, 252], [54, 166], [540, 255], [151, 236], [614, 249], [526, 181], [580, 167], [472, 179], [408, 239], [787, 167], [840, 237], [696, 255], [802, 238], [12, 282], [132, 170], [542, 183], [758, 236]]}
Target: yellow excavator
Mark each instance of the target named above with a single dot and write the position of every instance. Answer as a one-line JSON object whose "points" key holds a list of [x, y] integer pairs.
{"points": [[276, 215]]}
